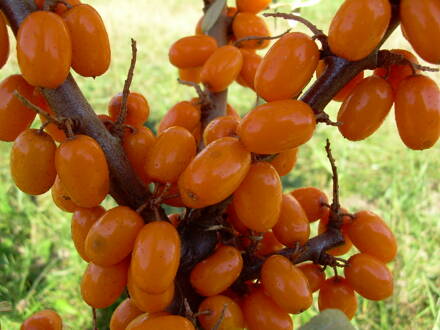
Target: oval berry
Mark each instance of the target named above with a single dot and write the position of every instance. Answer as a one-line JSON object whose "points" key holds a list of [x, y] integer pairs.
{"points": [[184, 114], [43, 320], [163, 323], [138, 109], [221, 307], [4, 41], [269, 244], [191, 74], [251, 61], [124, 314], [250, 25], [193, 51], [222, 126], [285, 161], [312, 201], [61, 198], [336, 293], [252, 6], [60, 8], [314, 274]]}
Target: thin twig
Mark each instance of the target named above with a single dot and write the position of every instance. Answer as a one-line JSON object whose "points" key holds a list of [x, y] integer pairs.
{"points": [[335, 205], [220, 319], [95, 322], [37, 109], [259, 38], [312, 27], [202, 95]]}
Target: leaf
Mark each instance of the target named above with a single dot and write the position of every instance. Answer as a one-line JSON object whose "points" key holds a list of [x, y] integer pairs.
{"points": [[212, 14], [330, 319]]}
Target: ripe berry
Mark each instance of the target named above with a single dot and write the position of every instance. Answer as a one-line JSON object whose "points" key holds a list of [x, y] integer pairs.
{"points": [[221, 307], [43, 320], [60, 8], [4, 42], [61, 198], [314, 274], [311, 199], [193, 51], [138, 109], [184, 114], [336, 293], [344, 248], [285, 161], [124, 314], [252, 6], [162, 323], [51, 128], [191, 74], [220, 127], [247, 25], [251, 61], [269, 244]]}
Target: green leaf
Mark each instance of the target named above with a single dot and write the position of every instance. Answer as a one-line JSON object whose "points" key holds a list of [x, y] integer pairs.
{"points": [[330, 319], [212, 15]]}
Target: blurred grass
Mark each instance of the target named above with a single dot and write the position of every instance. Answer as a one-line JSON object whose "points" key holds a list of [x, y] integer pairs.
{"points": [[39, 267]]}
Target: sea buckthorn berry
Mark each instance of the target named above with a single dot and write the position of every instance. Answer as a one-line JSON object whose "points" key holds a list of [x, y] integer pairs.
{"points": [[311, 200], [184, 114], [60, 8], [230, 111], [346, 246], [112, 237], [216, 273], [138, 109], [277, 126], [221, 307], [52, 129], [124, 314], [198, 29], [285, 161], [314, 274], [170, 155], [191, 74], [137, 145], [220, 127], [162, 323], [191, 52], [235, 221], [15, 117], [33, 162], [336, 293], [215, 173], [251, 61], [147, 302], [365, 20], [138, 322], [252, 6], [82, 220], [365, 109], [257, 201], [371, 235], [286, 284], [417, 105], [82, 168], [287, 67], [421, 21], [61, 198], [102, 286], [90, 44], [44, 49], [262, 313], [269, 244], [394, 74], [156, 257], [292, 225], [173, 190], [369, 277], [4, 42], [250, 25], [43, 320], [222, 68], [347, 89]]}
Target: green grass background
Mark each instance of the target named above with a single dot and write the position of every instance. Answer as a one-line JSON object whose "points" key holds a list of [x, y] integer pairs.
{"points": [[39, 267]]}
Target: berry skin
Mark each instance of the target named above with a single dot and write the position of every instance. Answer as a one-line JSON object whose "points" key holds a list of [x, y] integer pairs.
{"points": [[232, 315], [365, 20], [311, 199], [369, 277], [287, 67], [336, 293], [191, 52], [277, 126], [43, 320], [44, 49], [124, 314], [4, 42], [257, 201], [371, 235], [251, 61], [184, 114], [191, 74], [314, 274], [220, 127], [60, 8], [216, 273], [163, 323], [33, 162], [417, 106], [247, 25], [421, 23], [285, 161], [138, 109], [252, 6], [61, 198]]}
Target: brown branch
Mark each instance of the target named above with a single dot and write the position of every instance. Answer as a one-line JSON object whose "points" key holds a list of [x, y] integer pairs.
{"points": [[335, 205], [240, 41]]}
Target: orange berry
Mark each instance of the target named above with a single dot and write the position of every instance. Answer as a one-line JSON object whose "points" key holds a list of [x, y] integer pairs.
{"points": [[250, 25], [269, 244], [292, 224], [371, 235], [251, 61], [163, 323], [417, 105], [60, 8], [286, 284], [124, 314], [365, 109], [311, 199], [220, 127], [193, 51], [262, 313], [82, 220], [43, 320], [90, 44], [369, 277], [15, 117], [257, 201], [173, 190], [4, 42], [138, 109], [346, 246], [170, 155], [82, 168], [61, 198], [191, 74], [102, 286], [314, 274], [217, 273], [222, 68], [156, 257], [44, 49], [365, 20], [33, 162], [252, 6], [277, 126], [285, 161], [336, 293], [198, 30], [215, 173], [221, 306], [52, 129], [421, 21], [235, 221], [287, 67], [184, 114], [138, 322], [112, 237]]}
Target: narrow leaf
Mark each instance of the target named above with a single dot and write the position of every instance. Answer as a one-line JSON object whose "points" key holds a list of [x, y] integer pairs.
{"points": [[212, 15], [330, 319]]}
